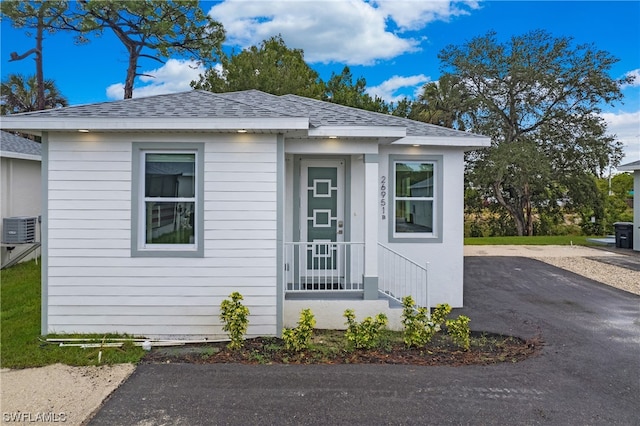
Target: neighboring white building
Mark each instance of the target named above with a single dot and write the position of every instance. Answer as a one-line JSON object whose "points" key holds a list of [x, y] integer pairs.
{"points": [[635, 168], [158, 208], [20, 164]]}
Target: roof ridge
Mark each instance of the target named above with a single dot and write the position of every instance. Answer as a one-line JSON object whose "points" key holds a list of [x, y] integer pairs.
{"points": [[270, 95], [386, 116]]}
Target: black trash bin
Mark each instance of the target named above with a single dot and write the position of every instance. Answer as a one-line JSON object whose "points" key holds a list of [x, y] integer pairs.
{"points": [[624, 234]]}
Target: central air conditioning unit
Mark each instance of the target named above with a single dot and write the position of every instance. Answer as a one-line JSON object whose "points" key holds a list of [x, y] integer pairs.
{"points": [[19, 230]]}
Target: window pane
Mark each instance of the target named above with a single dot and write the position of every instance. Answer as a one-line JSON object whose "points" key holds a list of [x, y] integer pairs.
{"points": [[414, 216], [414, 179], [170, 175], [169, 223]]}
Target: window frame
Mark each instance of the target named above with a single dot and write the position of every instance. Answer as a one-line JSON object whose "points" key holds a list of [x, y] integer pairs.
{"points": [[435, 236], [139, 247]]}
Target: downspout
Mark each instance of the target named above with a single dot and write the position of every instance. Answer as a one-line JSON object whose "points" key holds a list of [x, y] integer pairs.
{"points": [[280, 215], [44, 236]]}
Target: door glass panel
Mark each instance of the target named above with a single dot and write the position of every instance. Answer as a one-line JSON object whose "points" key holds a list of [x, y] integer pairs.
{"points": [[322, 207]]}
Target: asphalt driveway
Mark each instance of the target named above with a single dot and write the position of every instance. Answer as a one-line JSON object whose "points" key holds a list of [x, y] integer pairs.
{"points": [[588, 372]]}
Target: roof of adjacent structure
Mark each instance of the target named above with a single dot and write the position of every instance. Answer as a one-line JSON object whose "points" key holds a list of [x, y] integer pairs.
{"points": [[18, 147], [253, 109], [629, 167]]}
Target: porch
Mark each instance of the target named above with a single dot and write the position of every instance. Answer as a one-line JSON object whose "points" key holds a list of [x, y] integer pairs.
{"points": [[328, 278]]}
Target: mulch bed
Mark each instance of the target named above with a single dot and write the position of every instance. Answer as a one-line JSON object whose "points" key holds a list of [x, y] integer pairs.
{"points": [[329, 348]]}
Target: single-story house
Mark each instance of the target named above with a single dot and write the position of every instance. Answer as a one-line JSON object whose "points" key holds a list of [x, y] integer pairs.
{"points": [[20, 185], [635, 168], [156, 209]]}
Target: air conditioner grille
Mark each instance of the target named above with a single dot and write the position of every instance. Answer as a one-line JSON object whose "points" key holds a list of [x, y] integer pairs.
{"points": [[19, 230]]}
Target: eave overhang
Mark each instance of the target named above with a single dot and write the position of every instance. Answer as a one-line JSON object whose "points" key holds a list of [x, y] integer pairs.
{"points": [[35, 125]]}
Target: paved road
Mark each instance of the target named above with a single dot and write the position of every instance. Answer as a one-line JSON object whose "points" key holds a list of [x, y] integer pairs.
{"points": [[587, 374]]}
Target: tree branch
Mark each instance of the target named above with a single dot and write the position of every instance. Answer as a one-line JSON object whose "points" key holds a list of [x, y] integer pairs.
{"points": [[16, 57]]}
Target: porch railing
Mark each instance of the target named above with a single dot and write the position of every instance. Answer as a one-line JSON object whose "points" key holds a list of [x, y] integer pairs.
{"points": [[399, 276], [323, 266]]}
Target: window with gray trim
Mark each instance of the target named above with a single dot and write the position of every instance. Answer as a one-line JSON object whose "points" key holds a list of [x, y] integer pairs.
{"points": [[167, 210], [415, 200]]}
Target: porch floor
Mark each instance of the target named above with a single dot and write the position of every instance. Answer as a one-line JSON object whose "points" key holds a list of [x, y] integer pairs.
{"points": [[343, 295]]}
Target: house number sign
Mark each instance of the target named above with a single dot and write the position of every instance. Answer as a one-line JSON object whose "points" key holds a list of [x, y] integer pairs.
{"points": [[383, 196]]}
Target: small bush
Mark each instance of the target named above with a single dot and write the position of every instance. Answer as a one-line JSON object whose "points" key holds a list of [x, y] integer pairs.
{"points": [[459, 331], [414, 321], [364, 335], [298, 338], [236, 319], [419, 329]]}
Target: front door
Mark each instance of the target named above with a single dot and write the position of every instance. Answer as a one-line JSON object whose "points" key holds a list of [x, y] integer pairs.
{"points": [[322, 222]]}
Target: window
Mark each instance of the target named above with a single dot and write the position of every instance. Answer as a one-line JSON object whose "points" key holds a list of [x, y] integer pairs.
{"points": [[415, 204], [167, 201]]}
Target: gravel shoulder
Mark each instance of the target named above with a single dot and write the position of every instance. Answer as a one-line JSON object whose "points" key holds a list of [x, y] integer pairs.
{"points": [[57, 393], [75, 393]]}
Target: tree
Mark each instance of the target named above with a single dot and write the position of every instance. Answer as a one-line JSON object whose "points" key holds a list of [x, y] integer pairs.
{"points": [[616, 193], [20, 94], [271, 67], [444, 103], [341, 89], [41, 16], [154, 29], [538, 98]]}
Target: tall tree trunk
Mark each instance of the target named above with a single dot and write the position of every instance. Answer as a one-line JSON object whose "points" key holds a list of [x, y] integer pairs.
{"points": [[40, 99], [516, 213], [131, 75], [528, 210]]}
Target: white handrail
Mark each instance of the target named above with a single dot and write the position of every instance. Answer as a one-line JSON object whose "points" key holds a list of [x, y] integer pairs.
{"points": [[399, 276]]}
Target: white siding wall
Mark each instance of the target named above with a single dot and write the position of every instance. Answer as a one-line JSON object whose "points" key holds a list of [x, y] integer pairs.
{"points": [[446, 259], [21, 195], [96, 286]]}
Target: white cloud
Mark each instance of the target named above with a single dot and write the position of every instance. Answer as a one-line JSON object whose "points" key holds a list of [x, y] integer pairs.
{"points": [[174, 76], [636, 78], [626, 126], [416, 14], [388, 90], [353, 32]]}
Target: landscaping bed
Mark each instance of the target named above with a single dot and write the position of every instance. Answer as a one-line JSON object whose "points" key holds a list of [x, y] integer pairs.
{"points": [[331, 347]]}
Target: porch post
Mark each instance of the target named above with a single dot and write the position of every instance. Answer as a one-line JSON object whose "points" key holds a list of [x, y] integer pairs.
{"points": [[370, 279]]}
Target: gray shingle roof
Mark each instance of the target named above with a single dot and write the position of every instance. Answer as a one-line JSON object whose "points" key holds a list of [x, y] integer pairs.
{"points": [[19, 145], [323, 113], [635, 165], [246, 105], [194, 104]]}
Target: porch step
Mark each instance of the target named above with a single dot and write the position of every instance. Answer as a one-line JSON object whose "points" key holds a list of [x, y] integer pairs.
{"points": [[393, 303]]}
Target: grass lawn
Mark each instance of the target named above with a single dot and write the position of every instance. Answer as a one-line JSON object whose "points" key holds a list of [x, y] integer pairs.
{"points": [[543, 240], [21, 344]]}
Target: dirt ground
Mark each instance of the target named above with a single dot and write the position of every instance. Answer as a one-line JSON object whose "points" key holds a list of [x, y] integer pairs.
{"points": [[57, 393]]}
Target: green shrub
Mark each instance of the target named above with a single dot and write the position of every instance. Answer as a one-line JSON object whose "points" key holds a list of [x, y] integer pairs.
{"points": [[419, 329], [364, 335], [414, 321], [298, 338], [236, 319], [459, 331]]}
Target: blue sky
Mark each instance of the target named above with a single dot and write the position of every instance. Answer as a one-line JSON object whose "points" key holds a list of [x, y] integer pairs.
{"points": [[393, 44]]}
